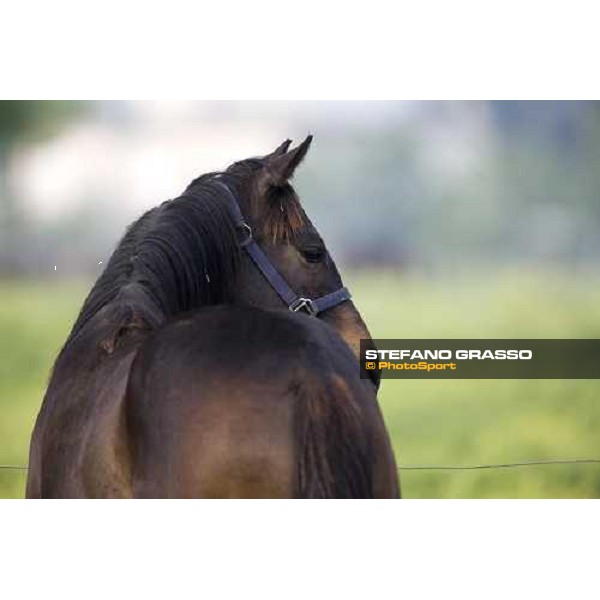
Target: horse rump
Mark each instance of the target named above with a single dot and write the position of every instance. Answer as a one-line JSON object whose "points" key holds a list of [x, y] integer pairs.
{"points": [[247, 403]]}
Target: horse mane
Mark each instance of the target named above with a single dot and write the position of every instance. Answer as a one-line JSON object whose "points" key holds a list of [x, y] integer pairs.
{"points": [[175, 257], [184, 253]]}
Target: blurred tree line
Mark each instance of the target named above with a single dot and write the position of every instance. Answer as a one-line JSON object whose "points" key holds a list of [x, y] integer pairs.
{"points": [[450, 184], [466, 183], [22, 123]]}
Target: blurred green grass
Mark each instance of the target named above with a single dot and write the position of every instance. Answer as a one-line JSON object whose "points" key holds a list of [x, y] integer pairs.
{"points": [[489, 421], [431, 422], [35, 319]]}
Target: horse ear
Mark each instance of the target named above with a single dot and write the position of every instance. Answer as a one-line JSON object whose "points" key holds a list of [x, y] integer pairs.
{"points": [[279, 168], [282, 149]]}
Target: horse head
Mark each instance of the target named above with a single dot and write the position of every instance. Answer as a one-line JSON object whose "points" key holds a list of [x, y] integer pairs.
{"points": [[287, 262]]}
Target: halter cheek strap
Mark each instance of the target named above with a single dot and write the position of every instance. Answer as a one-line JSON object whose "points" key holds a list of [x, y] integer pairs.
{"points": [[292, 300]]}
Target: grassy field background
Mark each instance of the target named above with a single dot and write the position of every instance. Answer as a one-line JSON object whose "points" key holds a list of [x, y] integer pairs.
{"points": [[431, 422]]}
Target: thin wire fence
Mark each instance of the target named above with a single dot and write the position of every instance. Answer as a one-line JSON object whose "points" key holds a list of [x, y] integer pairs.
{"points": [[525, 463]]}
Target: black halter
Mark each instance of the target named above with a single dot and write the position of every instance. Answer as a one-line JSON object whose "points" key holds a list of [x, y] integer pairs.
{"points": [[293, 301]]}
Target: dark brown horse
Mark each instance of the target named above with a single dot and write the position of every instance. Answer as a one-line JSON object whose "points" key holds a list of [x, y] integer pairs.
{"points": [[183, 376]]}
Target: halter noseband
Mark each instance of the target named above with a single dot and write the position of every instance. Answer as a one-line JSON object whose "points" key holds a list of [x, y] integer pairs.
{"points": [[292, 300]]}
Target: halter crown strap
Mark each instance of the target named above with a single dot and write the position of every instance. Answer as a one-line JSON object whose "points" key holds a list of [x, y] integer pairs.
{"points": [[294, 302]]}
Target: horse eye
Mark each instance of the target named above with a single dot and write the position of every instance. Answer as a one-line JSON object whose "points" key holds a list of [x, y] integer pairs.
{"points": [[313, 255]]}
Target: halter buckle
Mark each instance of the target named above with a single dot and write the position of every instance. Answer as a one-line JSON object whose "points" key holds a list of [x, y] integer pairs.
{"points": [[246, 234], [305, 304]]}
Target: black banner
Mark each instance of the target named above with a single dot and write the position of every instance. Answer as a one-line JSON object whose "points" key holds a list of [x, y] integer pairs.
{"points": [[481, 359]]}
